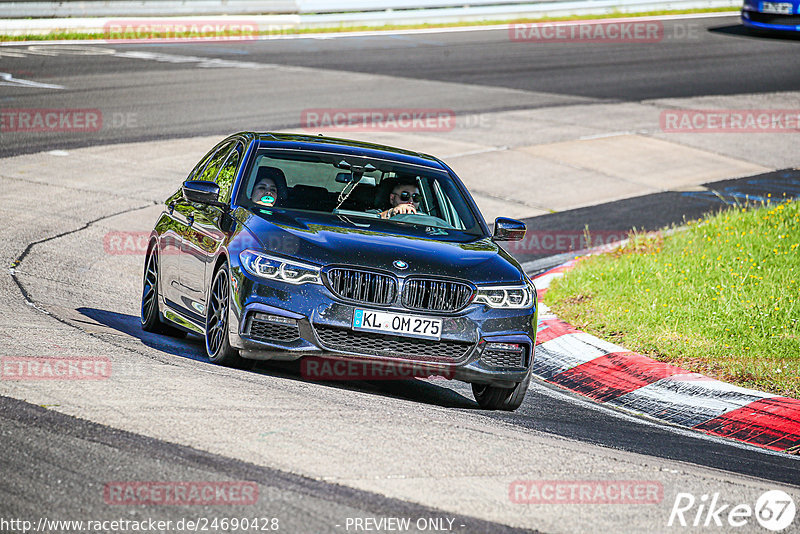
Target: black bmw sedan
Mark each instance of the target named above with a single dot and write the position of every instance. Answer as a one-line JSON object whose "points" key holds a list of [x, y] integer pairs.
{"points": [[281, 247]]}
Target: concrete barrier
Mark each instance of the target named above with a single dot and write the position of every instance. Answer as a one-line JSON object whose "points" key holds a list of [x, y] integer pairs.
{"points": [[33, 17]]}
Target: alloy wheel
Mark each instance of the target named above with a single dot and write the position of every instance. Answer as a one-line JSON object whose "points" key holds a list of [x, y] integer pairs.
{"points": [[150, 287], [216, 320]]}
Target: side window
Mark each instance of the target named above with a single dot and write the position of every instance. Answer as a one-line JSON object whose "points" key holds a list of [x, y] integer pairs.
{"points": [[228, 172], [198, 170], [449, 213], [211, 170]]}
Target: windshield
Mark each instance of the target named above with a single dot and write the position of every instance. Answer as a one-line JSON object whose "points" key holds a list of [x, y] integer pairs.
{"points": [[355, 186]]}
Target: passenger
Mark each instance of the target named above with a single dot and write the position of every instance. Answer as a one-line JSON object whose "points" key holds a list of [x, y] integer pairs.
{"points": [[270, 187], [265, 192]]}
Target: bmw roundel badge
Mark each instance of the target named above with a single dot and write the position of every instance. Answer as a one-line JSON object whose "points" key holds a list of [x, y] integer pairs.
{"points": [[400, 264]]}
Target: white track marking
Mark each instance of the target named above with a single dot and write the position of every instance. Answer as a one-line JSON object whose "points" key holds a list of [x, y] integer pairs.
{"points": [[66, 50], [8, 79]]}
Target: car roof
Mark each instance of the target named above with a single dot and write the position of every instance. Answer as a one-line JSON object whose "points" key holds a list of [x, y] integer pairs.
{"points": [[343, 146]]}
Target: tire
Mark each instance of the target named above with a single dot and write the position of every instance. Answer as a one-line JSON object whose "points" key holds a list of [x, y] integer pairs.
{"points": [[150, 315], [218, 346], [497, 398]]}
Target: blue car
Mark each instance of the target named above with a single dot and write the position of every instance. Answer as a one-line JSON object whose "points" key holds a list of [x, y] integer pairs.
{"points": [[782, 16], [287, 247]]}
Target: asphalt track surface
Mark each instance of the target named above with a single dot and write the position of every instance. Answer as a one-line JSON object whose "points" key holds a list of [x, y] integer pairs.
{"points": [[28, 430], [173, 101], [696, 57]]}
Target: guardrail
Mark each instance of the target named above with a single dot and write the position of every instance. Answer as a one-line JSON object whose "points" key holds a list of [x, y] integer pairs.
{"points": [[343, 8]]}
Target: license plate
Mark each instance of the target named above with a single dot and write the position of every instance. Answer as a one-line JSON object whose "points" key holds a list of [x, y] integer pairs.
{"points": [[779, 8], [398, 324]]}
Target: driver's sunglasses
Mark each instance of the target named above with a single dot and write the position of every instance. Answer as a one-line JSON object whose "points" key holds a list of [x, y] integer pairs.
{"points": [[405, 196]]}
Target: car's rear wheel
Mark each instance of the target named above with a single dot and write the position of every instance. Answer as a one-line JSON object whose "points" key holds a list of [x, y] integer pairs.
{"points": [[497, 398], [150, 315], [218, 346]]}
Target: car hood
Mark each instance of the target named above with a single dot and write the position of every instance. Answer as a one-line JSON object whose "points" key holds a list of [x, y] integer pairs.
{"points": [[324, 239]]}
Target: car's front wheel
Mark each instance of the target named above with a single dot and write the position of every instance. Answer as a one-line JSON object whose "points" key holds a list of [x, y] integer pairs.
{"points": [[218, 346], [497, 398]]}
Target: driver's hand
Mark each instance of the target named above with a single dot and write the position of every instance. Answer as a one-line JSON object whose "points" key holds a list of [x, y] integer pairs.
{"points": [[401, 209]]}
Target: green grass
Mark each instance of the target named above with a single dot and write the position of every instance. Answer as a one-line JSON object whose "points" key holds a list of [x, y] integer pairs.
{"points": [[721, 297], [70, 35]]}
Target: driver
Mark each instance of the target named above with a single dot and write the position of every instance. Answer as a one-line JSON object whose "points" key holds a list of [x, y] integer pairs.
{"points": [[404, 198]]}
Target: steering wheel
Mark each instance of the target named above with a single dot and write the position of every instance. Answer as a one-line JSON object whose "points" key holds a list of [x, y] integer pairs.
{"points": [[420, 218]]}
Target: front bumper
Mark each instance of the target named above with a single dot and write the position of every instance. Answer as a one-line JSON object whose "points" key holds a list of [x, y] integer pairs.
{"points": [[767, 21], [277, 321]]}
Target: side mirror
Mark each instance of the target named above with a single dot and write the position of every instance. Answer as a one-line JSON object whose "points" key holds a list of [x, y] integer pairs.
{"points": [[202, 192], [508, 229]]}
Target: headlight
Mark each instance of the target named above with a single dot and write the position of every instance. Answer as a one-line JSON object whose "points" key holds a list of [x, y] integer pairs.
{"points": [[282, 270], [509, 297]]}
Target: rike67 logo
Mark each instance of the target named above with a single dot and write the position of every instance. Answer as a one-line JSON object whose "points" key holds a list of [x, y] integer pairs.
{"points": [[774, 510]]}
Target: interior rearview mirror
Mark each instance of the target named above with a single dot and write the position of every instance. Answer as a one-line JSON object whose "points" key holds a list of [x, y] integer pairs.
{"points": [[346, 178]]}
